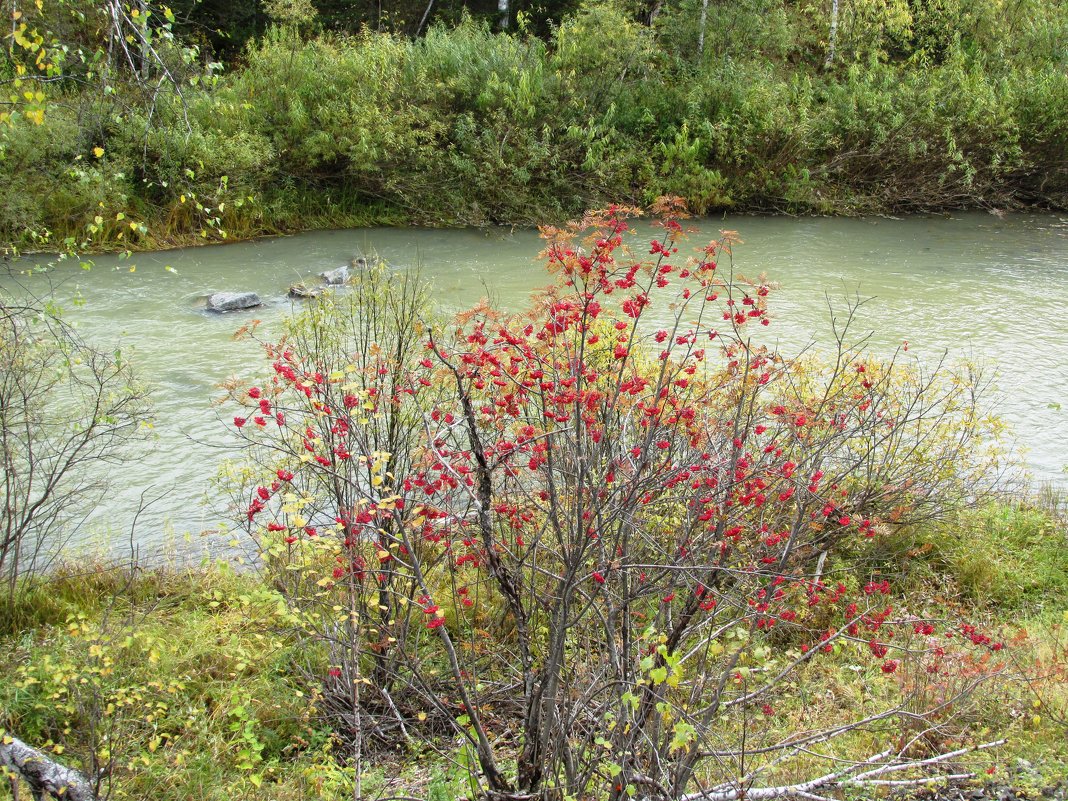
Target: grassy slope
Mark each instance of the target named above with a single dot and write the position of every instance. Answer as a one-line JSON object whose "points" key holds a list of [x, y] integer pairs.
{"points": [[193, 672]]}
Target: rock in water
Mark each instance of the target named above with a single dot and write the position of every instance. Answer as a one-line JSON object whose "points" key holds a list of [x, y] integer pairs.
{"points": [[336, 276], [302, 290], [232, 301]]}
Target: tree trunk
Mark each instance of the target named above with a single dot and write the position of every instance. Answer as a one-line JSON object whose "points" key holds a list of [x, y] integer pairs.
{"points": [[505, 12], [423, 21], [45, 776], [701, 31], [833, 39], [146, 55]]}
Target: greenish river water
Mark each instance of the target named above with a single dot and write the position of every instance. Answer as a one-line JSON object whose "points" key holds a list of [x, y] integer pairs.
{"points": [[973, 284]]}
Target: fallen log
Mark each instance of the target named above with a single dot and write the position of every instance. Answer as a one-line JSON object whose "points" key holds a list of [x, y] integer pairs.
{"points": [[45, 777]]}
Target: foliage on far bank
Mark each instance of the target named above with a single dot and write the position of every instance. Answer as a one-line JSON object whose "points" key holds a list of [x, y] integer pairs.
{"points": [[919, 110]]}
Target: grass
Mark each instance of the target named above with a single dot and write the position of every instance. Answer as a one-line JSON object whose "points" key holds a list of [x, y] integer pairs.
{"points": [[1006, 556], [190, 678], [195, 696]]}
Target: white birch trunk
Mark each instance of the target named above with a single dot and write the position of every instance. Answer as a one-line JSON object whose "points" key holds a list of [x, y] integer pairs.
{"points": [[701, 31], [833, 40], [44, 775]]}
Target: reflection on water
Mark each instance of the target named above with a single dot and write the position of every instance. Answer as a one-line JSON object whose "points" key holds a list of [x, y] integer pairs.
{"points": [[972, 284]]}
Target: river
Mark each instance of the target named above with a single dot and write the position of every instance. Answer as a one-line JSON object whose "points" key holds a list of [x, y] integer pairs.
{"points": [[973, 284]]}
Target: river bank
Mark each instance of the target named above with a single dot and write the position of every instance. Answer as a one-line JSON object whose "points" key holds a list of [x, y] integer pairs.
{"points": [[185, 682], [467, 127]]}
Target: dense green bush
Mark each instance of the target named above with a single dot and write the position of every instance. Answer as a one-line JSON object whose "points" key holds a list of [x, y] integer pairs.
{"points": [[923, 107]]}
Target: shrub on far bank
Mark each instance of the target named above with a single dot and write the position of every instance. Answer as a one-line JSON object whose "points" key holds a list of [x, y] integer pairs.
{"points": [[467, 126]]}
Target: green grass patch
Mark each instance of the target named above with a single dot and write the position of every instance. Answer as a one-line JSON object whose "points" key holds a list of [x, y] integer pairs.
{"points": [[186, 681], [1003, 556]]}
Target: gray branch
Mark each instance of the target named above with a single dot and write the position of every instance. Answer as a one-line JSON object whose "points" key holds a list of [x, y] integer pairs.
{"points": [[45, 776]]}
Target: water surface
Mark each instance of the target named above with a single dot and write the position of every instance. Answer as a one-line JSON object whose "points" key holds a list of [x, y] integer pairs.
{"points": [[973, 284]]}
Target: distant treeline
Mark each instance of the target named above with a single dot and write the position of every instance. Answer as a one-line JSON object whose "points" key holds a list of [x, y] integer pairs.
{"points": [[226, 26], [250, 118]]}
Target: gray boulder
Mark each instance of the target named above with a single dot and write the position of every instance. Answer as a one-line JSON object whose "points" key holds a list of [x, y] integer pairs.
{"points": [[232, 301], [337, 276]]}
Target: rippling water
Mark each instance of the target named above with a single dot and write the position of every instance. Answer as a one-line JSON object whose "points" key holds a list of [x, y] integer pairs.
{"points": [[973, 284]]}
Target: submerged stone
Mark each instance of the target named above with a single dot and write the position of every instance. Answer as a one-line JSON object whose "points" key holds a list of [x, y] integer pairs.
{"points": [[336, 276], [303, 291], [232, 301]]}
